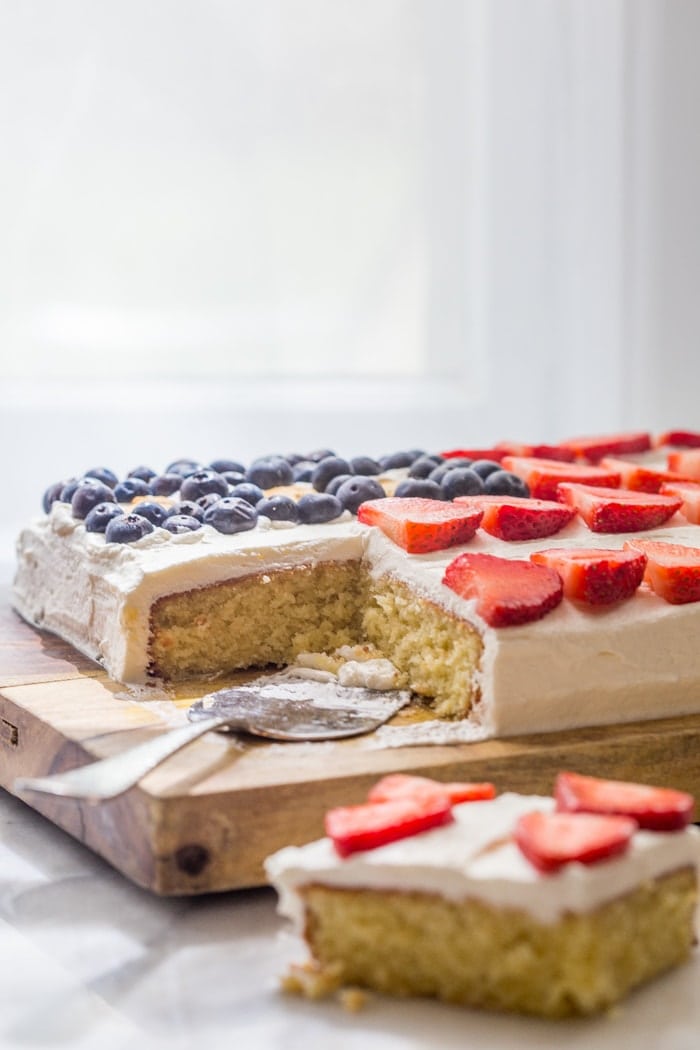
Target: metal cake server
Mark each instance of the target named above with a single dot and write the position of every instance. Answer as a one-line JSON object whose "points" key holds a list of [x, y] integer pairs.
{"points": [[279, 707]]}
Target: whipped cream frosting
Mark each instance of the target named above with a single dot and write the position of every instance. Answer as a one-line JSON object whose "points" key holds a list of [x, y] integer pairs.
{"points": [[474, 857]]}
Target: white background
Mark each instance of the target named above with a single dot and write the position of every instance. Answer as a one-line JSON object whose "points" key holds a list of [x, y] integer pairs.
{"points": [[231, 227]]}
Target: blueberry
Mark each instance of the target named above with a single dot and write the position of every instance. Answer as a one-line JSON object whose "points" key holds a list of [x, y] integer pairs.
{"points": [[358, 490], [303, 470], [462, 481], [52, 494], [184, 467], [155, 512], [179, 523], [269, 472], [396, 460], [186, 508], [100, 516], [231, 514], [233, 477], [421, 467], [202, 482], [317, 507], [165, 484], [451, 464], [318, 454], [335, 483], [68, 490], [103, 474], [503, 483], [327, 469], [222, 465], [127, 528], [145, 473], [484, 467], [293, 458], [419, 487], [364, 465], [251, 493], [88, 494], [130, 488], [278, 508], [207, 501]]}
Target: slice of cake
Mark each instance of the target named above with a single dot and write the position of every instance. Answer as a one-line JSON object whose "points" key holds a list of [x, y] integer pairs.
{"points": [[548, 906]]}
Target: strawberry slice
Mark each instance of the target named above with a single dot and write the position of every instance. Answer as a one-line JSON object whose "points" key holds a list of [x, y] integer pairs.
{"points": [[594, 448], [686, 462], [543, 475], [519, 518], [618, 511], [494, 454], [507, 591], [404, 785], [517, 448], [689, 492], [672, 571], [354, 828], [654, 808], [595, 576], [679, 438], [421, 525], [550, 840], [638, 478]]}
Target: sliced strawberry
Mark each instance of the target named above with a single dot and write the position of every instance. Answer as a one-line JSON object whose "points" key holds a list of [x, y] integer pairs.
{"points": [[421, 525], [519, 518], [543, 475], [686, 462], [638, 478], [404, 785], [516, 448], [550, 840], [474, 453], [594, 448], [673, 571], [593, 575], [654, 808], [373, 824], [507, 591], [689, 492], [679, 438], [620, 511]]}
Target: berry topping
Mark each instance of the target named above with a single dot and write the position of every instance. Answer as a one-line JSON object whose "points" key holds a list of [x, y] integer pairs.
{"points": [[672, 570], [594, 448], [421, 525], [484, 467], [422, 488], [473, 453], [100, 516], [208, 500], [249, 492], [269, 472], [354, 828], [504, 483], [53, 494], [188, 508], [145, 473], [233, 477], [225, 466], [519, 518], [315, 508], [231, 514], [127, 528], [355, 491], [201, 483], [550, 840], [318, 454], [303, 470], [103, 474], [127, 490], [328, 469], [638, 478], [179, 523], [165, 484], [689, 492], [403, 785], [155, 512], [462, 481], [679, 438], [595, 576], [397, 460], [618, 510], [88, 494], [421, 467], [364, 465], [653, 808], [68, 490], [507, 592], [516, 448], [184, 467], [686, 463], [441, 470], [278, 508], [543, 475], [335, 483]]}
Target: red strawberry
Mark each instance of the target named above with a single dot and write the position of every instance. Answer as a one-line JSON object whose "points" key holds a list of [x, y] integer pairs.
{"points": [[494, 454], [550, 840], [421, 525], [638, 478], [689, 492], [594, 448], [516, 448], [679, 438], [403, 785], [354, 828], [673, 571], [686, 462], [618, 511], [543, 475], [655, 808], [517, 518], [507, 592], [595, 576]]}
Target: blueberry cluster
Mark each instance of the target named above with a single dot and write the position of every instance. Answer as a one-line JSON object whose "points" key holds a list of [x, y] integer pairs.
{"points": [[231, 497]]}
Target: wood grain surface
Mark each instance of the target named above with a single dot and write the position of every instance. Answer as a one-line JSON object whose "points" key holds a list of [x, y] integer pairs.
{"points": [[206, 819]]}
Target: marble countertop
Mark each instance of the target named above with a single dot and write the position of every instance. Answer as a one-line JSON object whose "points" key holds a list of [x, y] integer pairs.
{"points": [[88, 960]]}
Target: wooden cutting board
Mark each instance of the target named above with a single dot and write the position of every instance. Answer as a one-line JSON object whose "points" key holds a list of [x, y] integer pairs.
{"points": [[205, 820]]}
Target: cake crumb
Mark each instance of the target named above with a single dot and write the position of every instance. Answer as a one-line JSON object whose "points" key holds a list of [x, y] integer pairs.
{"points": [[311, 981], [352, 999]]}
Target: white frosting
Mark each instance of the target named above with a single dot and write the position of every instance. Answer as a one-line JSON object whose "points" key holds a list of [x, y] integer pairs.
{"points": [[474, 857]]}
